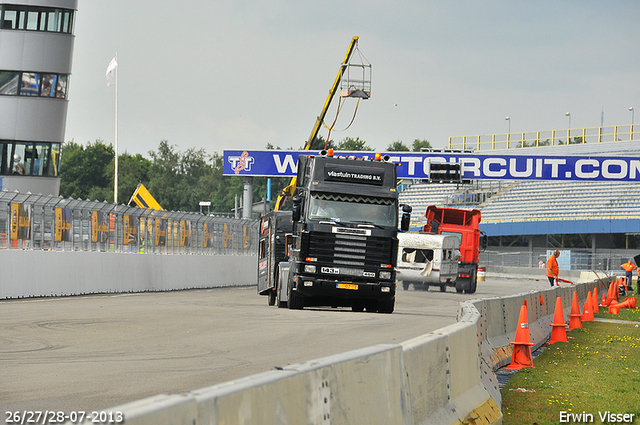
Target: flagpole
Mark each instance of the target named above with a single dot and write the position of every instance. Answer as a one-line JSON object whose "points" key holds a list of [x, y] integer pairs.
{"points": [[115, 180]]}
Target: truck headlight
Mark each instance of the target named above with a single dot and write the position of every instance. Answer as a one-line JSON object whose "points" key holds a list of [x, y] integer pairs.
{"points": [[385, 275], [309, 268]]}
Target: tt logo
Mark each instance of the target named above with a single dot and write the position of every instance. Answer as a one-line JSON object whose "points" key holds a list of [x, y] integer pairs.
{"points": [[241, 163]]}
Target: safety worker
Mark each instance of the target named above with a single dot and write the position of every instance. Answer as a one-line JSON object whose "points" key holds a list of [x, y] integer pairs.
{"points": [[552, 267], [628, 267]]}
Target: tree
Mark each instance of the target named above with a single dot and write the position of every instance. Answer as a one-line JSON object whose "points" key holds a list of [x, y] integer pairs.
{"points": [[175, 178], [419, 144], [318, 144], [86, 171], [397, 146], [132, 170], [351, 144]]}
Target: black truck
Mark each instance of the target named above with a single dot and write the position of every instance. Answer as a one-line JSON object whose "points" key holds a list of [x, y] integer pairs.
{"points": [[339, 245]]}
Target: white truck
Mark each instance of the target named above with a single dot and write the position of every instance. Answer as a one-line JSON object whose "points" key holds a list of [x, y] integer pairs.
{"points": [[427, 259]]}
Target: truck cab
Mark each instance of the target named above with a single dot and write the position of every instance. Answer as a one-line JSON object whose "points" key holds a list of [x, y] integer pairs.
{"points": [[343, 241], [464, 225]]}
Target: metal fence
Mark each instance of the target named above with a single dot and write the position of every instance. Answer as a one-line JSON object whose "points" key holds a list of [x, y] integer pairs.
{"points": [[546, 138], [42, 222], [608, 260]]}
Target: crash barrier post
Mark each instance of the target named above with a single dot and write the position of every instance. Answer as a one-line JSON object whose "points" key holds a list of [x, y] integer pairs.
{"points": [[444, 377]]}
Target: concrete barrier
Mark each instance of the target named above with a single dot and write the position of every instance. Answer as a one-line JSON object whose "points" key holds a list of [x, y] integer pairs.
{"points": [[51, 273], [444, 377]]}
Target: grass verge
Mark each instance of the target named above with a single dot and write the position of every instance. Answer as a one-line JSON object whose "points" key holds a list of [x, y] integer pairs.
{"points": [[595, 373]]}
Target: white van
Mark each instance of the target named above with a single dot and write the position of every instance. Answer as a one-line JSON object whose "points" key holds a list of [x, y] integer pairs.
{"points": [[427, 259]]}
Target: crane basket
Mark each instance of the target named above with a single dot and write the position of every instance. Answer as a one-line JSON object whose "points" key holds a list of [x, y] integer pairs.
{"points": [[356, 79]]}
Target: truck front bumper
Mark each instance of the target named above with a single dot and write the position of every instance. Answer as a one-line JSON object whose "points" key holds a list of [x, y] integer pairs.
{"points": [[314, 287]]}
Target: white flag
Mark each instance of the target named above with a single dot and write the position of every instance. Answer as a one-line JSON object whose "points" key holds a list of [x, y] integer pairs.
{"points": [[111, 72]]}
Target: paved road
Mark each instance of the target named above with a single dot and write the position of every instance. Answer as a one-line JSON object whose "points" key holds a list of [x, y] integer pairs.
{"points": [[96, 352]]}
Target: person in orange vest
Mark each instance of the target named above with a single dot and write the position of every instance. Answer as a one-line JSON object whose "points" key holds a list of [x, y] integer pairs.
{"points": [[552, 267], [629, 267]]}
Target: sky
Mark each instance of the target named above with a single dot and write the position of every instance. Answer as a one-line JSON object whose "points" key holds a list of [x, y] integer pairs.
{"points": [[243, 74]]}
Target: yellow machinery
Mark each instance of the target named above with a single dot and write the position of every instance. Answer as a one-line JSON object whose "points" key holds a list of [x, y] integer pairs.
{"points": [[143, 199]]}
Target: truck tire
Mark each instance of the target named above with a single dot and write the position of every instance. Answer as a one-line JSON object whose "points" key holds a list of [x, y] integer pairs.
{"points": [[443, 288], [386, 306], [271, 297], [459, 287], [473, 283], [295, 302]]}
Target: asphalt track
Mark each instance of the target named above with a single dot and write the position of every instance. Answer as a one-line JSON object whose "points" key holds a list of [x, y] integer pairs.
{"points": [[95, 352]]}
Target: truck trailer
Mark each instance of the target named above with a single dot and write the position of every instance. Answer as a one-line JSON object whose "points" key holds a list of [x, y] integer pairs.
{"points": [[340, 244]]}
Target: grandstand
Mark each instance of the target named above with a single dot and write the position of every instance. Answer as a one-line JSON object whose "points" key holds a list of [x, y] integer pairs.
{"points": [[533, 209]]}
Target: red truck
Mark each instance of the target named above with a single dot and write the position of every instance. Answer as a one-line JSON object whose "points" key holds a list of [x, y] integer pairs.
{"points": [[464, 225]]}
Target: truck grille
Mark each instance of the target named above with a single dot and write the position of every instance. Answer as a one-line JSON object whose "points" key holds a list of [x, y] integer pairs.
{"points": [[351, 250]]}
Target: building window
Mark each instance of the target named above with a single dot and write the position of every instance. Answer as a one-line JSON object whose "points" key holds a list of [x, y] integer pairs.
{"points": [[9, 82], [30, 84], [36, 18], [30, 159], [61, 87], [15, 83]]}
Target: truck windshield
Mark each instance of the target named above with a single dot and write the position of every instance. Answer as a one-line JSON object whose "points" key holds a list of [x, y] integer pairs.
{"points": [[353, 209]]}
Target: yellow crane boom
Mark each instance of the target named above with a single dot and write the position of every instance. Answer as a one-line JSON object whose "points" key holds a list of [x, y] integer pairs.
{"points": [[287, 192]]}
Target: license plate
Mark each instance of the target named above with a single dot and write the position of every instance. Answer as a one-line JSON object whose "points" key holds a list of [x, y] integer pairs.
{"points": [[351, 286]]}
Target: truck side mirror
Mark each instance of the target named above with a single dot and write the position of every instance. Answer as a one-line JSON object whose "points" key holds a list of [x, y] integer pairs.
{"points": [[404, 222], [484, 241], [297, 208], [406, 208]]}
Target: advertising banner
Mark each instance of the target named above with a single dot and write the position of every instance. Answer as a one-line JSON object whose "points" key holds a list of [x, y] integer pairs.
{"points": [[99, 226], [161, 232], [475, 166], [20, 221], [246, 237], [227, 236], [131, 225], [208, 235], [64, 219], [185, 233]]}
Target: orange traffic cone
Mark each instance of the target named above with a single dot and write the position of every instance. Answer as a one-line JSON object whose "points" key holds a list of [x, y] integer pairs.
{"points": [[628, 303], [521, 356], [594, 301], [610, 294], [575, 322], [558, 333], [587, 310]]}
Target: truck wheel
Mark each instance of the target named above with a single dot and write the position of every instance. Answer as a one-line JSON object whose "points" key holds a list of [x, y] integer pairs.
{"points": [[405, 285], [443, 288], [386, 306], [459, 287], [271, 298], [473, 283], [295, 302]]}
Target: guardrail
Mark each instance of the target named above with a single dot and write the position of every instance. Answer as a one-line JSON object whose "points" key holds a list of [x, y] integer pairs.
{"points": [[444, 377], [546, 138], [39, 222]]}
